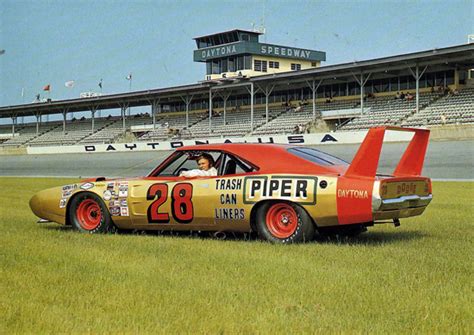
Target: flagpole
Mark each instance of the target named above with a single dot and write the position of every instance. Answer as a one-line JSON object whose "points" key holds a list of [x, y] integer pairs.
{"points": [[100, 85]]}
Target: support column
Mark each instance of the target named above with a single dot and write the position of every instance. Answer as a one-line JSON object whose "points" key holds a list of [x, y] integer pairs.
{"points": [[64, 122], [251, 107], [225, 97], [187, 100], [38, 116], [252, 92], [93, 110], [123, 111], [154, 107], [14, 121], [266, 91], [417, 75], [362, 81], [313, 87], [210, 110]]}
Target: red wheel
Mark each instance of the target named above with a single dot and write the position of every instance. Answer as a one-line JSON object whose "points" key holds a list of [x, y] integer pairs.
{"points": [[281, 220], [89, 214]]}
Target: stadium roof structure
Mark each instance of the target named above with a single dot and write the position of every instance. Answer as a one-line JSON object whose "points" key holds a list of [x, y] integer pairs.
{"points": [[459, 57], [230, 31]]}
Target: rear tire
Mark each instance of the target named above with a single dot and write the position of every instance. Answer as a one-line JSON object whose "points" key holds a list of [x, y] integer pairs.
{"points": [[88, 214], [283, 222]]}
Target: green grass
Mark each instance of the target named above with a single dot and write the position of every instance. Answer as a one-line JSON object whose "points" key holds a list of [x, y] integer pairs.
{"points": [[413, 279]]}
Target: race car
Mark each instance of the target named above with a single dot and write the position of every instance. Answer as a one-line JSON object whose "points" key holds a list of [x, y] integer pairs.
{"points": [[283, 193]]}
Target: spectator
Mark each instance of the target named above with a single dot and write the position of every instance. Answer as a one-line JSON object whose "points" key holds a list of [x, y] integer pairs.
{"points": [[402, 96], [398, 95], [443, 119]]}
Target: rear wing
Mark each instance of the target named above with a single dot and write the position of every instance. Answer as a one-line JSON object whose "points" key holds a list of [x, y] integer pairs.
{"points": [[366, 160]]}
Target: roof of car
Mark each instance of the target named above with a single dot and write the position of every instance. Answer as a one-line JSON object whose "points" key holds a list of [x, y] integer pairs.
{"points": [[268, 157]]}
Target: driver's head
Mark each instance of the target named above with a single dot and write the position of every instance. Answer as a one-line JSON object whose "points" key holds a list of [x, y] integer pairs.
{"points": [[205, 162]]}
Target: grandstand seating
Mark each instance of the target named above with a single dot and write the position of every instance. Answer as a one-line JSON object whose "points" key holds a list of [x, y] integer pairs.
{"points": [[27, 132], [288, 119], [382, 110], [74, 132], [172, 125], [237, 123], [387, 111], [450, 109]]}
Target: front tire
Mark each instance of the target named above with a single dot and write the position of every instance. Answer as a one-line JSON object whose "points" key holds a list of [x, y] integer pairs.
{"points": [[283, 222], [88, 214]]}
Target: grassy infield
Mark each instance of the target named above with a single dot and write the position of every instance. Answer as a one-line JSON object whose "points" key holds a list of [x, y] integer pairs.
{"points": [[412, 279]]}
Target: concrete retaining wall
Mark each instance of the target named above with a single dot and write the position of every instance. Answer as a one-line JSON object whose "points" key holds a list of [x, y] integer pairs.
{"points": [[302, 139]]}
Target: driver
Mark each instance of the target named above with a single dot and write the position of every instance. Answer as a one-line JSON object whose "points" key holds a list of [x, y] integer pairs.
{"points": [[205, 163]]}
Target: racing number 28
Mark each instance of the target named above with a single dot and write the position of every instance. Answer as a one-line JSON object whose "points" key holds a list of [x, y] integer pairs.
{"points": [[181, 204]]}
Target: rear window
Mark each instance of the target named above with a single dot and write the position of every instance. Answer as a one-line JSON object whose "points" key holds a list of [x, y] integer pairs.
{"points": [[316, 156]]}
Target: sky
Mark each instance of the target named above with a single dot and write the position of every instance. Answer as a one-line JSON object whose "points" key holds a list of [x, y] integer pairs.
{"points": [[52, 42]]}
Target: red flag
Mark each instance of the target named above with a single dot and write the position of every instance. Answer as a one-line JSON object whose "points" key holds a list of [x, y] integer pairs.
{"points": [[47, 87]]}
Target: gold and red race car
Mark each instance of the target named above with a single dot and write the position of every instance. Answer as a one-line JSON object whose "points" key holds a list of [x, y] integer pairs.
{"points": [[283, 193]]}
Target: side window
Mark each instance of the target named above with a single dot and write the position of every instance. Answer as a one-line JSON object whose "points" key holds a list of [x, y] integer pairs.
{"points": [[188, 161], [232, 165], [173, 166]]}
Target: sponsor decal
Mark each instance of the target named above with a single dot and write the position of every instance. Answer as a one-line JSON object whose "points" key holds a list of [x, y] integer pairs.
{"points": [[87, 186], [115, 211], [71, 187], [123, 189], [228, 184], [67, 193], [62, 203], [123, 203], [228, 199], [110, 186], [229, 214], [124, 211], [295, 188], [107, 195], [353, 194]]}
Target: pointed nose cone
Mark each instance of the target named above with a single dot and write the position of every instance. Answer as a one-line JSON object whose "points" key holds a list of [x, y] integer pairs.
{"points": [[35, 204]]}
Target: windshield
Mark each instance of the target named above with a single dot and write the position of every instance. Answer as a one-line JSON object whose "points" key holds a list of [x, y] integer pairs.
{"points": [[316, 156]]}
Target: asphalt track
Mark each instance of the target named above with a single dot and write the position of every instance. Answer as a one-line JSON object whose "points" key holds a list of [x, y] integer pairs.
{"points": [[445, 160]]}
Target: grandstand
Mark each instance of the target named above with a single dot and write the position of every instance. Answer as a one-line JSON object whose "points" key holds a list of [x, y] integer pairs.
{"points": [[258, 101], [454, 108]]}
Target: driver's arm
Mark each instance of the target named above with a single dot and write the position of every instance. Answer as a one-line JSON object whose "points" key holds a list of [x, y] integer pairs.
{"points": [[199, 173], [193, 173]]}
